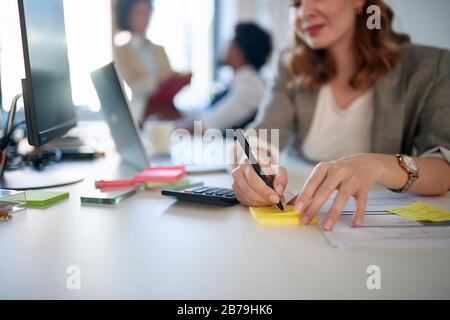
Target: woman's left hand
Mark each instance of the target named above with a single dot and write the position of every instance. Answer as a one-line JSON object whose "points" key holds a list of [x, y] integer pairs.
{"points": [[351, 176]]}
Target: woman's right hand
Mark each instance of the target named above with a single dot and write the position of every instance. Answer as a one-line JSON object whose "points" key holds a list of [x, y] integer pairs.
{"points": [[251, 190]]}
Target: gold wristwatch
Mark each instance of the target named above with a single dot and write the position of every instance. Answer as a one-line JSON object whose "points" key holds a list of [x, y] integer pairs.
{"points": [[410, 167]]}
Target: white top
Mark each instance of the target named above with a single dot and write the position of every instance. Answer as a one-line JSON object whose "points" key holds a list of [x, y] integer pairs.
{"points": [[240, 103], [143, 47], [336, 133], [139, 97]]}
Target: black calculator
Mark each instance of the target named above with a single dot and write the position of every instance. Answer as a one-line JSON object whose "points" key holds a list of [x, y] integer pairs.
{"points": [[208, 195]]}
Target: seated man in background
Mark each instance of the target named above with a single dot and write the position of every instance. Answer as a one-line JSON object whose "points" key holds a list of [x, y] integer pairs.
{"points": [[144, 65], [247, 53]]}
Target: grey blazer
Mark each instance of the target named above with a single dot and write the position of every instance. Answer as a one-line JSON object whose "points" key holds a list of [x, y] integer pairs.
{"points": [[411, 105]]}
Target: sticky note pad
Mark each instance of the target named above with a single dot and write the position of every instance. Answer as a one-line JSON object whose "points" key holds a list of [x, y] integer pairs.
{"points": [[420, 211], [36, 198], [273, 217], [160, 175], [180, 184]]}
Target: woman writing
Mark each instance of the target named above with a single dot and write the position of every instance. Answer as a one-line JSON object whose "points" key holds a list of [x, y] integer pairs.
{"points": [[366, 104]]}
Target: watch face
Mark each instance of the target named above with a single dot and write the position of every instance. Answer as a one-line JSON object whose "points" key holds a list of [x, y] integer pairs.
{"points": [[410, 163]]}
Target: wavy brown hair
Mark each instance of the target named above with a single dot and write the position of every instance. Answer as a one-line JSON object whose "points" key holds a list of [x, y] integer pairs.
{"points": [[377, 51]]}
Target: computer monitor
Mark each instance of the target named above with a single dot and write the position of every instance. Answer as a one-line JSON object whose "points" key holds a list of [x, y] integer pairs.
{"points": [[47, 92]]}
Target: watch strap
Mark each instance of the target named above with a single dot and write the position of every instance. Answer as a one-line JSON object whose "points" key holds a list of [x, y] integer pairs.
{"points": [[412, 177]]}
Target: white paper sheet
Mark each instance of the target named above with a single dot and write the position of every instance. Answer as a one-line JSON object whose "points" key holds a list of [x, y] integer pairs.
{"points": [[383, 230], [388, 237], [377, 202]]}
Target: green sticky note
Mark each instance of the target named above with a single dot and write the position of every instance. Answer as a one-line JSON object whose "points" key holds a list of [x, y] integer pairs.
{"points": [[164, 185], [36, 198]]}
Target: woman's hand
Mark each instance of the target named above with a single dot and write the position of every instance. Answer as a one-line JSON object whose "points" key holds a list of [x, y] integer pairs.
{"points": [[351, 176], [252, 191]]}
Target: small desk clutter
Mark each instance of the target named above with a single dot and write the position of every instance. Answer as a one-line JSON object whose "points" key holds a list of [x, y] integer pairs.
{"points": [[114, 192], [11, 202], [15, 201]]}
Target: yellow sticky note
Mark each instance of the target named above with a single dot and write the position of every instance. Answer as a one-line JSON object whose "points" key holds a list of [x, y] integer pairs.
{"points": [[420, 211], [272, 216]]}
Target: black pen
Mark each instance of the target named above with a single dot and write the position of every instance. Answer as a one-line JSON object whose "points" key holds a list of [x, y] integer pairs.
{"points": [[251, 157]]}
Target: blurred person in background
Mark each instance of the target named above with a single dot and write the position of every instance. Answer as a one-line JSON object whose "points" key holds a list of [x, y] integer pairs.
{"points": [[143, 64], [246, 54]]}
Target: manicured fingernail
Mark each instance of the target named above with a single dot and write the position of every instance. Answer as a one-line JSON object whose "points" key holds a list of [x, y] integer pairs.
{"points": [[299, 207], [328, 224], [279, 189], [274, 199], [304, 220]]}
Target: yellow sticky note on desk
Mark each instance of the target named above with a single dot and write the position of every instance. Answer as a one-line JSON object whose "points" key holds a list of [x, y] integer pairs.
{"points": [[420, 211], [273, 217]]}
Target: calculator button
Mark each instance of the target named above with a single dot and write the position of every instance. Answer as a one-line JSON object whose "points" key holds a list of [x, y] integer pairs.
{"points": [[201, 189], [210, 192], [229, 195]]}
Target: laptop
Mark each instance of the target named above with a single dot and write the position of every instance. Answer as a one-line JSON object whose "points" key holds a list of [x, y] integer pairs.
{"points": [[124, 130]]}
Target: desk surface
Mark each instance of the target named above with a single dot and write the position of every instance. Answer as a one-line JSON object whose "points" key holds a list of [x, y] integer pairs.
{"points": [[153, 247]]}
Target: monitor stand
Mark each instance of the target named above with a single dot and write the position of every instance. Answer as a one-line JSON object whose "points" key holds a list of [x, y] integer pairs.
{"points": [[29, 178]]}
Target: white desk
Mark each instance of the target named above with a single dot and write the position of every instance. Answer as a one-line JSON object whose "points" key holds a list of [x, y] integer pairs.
{"points": [[153, 247]]}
